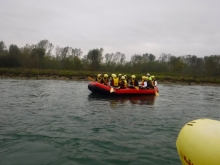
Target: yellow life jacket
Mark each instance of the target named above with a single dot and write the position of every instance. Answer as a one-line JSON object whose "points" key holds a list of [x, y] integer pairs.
{"points": [[115, 82], [125, 84]]}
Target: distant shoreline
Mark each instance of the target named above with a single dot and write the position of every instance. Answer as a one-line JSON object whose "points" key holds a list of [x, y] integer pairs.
{"points": [[44, 74], [85, 78]]}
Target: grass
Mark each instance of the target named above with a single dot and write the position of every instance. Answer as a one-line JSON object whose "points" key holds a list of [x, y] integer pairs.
{"points": [[161, 77]]}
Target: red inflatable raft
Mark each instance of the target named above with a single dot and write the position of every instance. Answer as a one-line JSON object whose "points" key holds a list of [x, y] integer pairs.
{"points": [[96, 87]]}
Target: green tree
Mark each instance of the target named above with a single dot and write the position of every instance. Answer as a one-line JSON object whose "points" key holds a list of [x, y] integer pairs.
{"points": [[151, 57], [38, 53], [77, 64], [3, 55], [94, 58], [14, 59], [37, 60], [176, 64], [26, 52], [200, 66], [212, 65], [2, 47], [136, 59]]}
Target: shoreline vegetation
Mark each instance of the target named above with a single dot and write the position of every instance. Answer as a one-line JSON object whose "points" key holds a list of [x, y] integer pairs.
{"points": [[39, 61], [42, 74]]}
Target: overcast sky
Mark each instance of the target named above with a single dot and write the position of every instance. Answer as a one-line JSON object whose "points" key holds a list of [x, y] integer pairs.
{"points": [[177, 27]]}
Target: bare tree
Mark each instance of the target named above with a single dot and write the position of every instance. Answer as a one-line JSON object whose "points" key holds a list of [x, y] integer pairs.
{"points": [[45, 44]]}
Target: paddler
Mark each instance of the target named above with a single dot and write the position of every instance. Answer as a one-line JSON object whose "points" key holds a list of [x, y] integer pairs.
{"points": [[124, 83], [114, 81], [99, 78], [105, 79], [134, 81]]}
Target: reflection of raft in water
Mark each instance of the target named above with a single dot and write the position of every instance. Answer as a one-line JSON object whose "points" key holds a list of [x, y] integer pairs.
{"points": [[118, 99], [198, 142], [96, 87]]}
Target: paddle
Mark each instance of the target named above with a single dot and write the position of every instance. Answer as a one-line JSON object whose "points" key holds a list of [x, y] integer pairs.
{"points": [[90, 78], [111, 88], [132, 86], [156, 93]]}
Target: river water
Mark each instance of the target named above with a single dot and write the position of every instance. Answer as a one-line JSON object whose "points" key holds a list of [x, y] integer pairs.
{"points": [[51, 122]]}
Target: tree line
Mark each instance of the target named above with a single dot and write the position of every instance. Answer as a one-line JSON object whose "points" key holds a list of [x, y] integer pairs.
{"points": [[41, 56]]}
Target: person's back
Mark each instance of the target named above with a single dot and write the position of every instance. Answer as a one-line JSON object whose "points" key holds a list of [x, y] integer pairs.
{"points": [[154, 80], [134, 81], [126, 78], [124, 83], [119, 79], [150, 83]]}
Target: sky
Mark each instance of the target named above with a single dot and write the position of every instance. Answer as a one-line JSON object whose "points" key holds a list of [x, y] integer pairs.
{"points": [[184, 27]]}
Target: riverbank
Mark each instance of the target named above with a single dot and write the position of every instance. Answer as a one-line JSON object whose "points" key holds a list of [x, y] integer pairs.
{"points": [[38, 74]]}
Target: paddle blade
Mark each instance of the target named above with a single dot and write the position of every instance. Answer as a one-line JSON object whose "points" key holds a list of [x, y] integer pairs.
{"points": [[90, 78], [137, 88], [111, 90], [156, 93]]}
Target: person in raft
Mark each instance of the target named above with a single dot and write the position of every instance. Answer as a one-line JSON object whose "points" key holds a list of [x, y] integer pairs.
{"points": [[114, 81], [99, 78], [126, 78], [154, 80], [124, 83], [150, 82], [146, 79], [105, 79], [134, 82], [119, 79], [143, 83]]}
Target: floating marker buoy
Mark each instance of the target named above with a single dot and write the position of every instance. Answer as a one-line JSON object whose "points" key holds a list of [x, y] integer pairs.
{"points": [[198, 142]]}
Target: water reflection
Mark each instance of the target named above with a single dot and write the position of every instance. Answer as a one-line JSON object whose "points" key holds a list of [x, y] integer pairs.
{"points": [[133, 99]]}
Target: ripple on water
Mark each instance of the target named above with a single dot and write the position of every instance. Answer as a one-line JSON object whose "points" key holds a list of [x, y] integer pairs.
{"points": [[61, 122]]}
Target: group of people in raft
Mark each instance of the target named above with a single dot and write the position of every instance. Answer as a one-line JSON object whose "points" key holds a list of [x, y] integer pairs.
{"points": [[121, 81]]}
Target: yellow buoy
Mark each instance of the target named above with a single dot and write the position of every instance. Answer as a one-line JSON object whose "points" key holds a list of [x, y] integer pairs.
{"points": [[198, 142]]}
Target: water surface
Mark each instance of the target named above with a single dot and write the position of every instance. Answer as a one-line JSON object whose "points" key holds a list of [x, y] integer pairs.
{"points": [[50, 122]]}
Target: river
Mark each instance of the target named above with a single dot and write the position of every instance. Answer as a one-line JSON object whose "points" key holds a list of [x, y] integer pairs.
{"points": [[58, 122]]}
